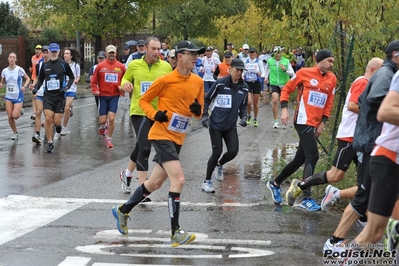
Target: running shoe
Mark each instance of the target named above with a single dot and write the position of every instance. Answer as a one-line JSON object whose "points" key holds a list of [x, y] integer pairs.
{"points": [[391, 239], [275, 124], [181, 237], [310, 205], [218, 173], [101, 130], [329, 198], [33, 117], [248, 120], [50, 147], [108, 143], [337, 247], [22, 111], [71, 111], [293, 192], [276, 192], [63, 131], [15, 136], [284, 126], [256, 122], [207, 186], [121, 220], [125, 182], [36, 139]]}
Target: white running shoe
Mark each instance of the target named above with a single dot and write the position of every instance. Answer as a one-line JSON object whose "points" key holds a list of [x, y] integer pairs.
{"points": [[207, 186], [275, 124]]}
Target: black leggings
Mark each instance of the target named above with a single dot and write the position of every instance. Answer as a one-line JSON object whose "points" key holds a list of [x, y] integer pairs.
{"points": [[307, 153], [231, 139], [142, 149]]}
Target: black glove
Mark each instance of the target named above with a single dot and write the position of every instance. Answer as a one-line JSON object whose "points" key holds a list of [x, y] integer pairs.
{"points": [[243, 121], [195, 108], [204, 121], [161, 116], [34, 91]]}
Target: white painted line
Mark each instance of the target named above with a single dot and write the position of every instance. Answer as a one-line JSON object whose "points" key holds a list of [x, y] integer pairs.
{"points": [[241, 252], [87, 201], [200, 238], [22, 214], [75, 261], [121, 264]]}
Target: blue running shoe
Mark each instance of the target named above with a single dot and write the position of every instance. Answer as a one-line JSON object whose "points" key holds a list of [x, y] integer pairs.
{"points": [[276, 192], [310, 205], [121, 220]]}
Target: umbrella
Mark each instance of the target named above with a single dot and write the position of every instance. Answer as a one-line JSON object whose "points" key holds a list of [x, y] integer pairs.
{"points": [[131, 43]]}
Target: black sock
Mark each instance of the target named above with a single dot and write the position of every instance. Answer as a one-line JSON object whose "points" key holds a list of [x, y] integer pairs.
{"points": [[335, 240], [174, 210], [313, 180], [363, 218], [38, 133], [135, 199], [58, 129]]}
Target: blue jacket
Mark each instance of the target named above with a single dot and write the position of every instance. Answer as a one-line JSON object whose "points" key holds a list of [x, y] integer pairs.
{"points": [[367, 126], [224, 103]]}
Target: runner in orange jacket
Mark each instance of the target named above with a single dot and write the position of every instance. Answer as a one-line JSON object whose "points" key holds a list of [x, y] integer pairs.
{"points": [[314, 104]]}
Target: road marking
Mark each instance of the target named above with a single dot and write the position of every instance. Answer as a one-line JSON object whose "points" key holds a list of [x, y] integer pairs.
{"points": [[23, 214], [200, 237], [75, 261], [242, 252], [202, 242]]}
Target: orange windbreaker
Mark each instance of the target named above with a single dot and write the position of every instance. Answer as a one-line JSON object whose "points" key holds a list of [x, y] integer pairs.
{"points": [[35, 60], [175, 94], [315, 95]]}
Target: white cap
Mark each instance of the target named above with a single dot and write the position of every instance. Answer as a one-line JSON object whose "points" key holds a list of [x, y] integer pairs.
{"points": [[245, 46]]}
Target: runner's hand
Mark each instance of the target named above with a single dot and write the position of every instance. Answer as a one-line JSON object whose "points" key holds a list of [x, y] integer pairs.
{"points": [[243, 121], [161, 116], [195, 107]]}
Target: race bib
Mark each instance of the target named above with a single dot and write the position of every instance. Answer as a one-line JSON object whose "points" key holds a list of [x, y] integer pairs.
{"points": [[111, 78], [179, 123], [10, 88], [53, 84], [251, 76], [144, 85], [317, 99], [223, 101]]}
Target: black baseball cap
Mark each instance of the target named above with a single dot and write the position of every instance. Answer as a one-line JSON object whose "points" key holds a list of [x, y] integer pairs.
{"points": [[189, 46], [45, 48], [228, 54], [237, 63]]}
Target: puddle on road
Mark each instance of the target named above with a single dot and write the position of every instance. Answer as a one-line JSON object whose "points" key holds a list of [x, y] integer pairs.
{"points": [[275, 159]]}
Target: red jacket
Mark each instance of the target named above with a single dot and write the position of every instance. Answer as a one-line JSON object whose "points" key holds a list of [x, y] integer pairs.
{"points": [[107, 77]]}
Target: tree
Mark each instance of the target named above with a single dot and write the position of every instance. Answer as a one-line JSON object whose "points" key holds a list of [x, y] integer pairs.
{"points": [[96, 19], [195, 18], [10, 25]]}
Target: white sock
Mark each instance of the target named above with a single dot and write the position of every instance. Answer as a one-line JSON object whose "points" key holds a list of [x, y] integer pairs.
{"points": [[337, 194], [128, 173]]}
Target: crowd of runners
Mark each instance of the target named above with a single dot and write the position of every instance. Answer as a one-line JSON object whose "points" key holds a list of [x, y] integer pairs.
{"points": [[166, 88]]}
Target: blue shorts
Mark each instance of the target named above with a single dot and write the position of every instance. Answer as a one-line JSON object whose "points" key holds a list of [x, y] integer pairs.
{"points": [[70, 94], [39, 98], [19, 100], [107, 104]]}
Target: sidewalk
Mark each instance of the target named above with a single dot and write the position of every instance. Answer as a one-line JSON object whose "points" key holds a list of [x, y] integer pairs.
{"points": [[83, 91]]}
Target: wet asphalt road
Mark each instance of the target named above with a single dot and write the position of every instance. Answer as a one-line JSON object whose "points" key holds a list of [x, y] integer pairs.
{"points": [[57, 207]]}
